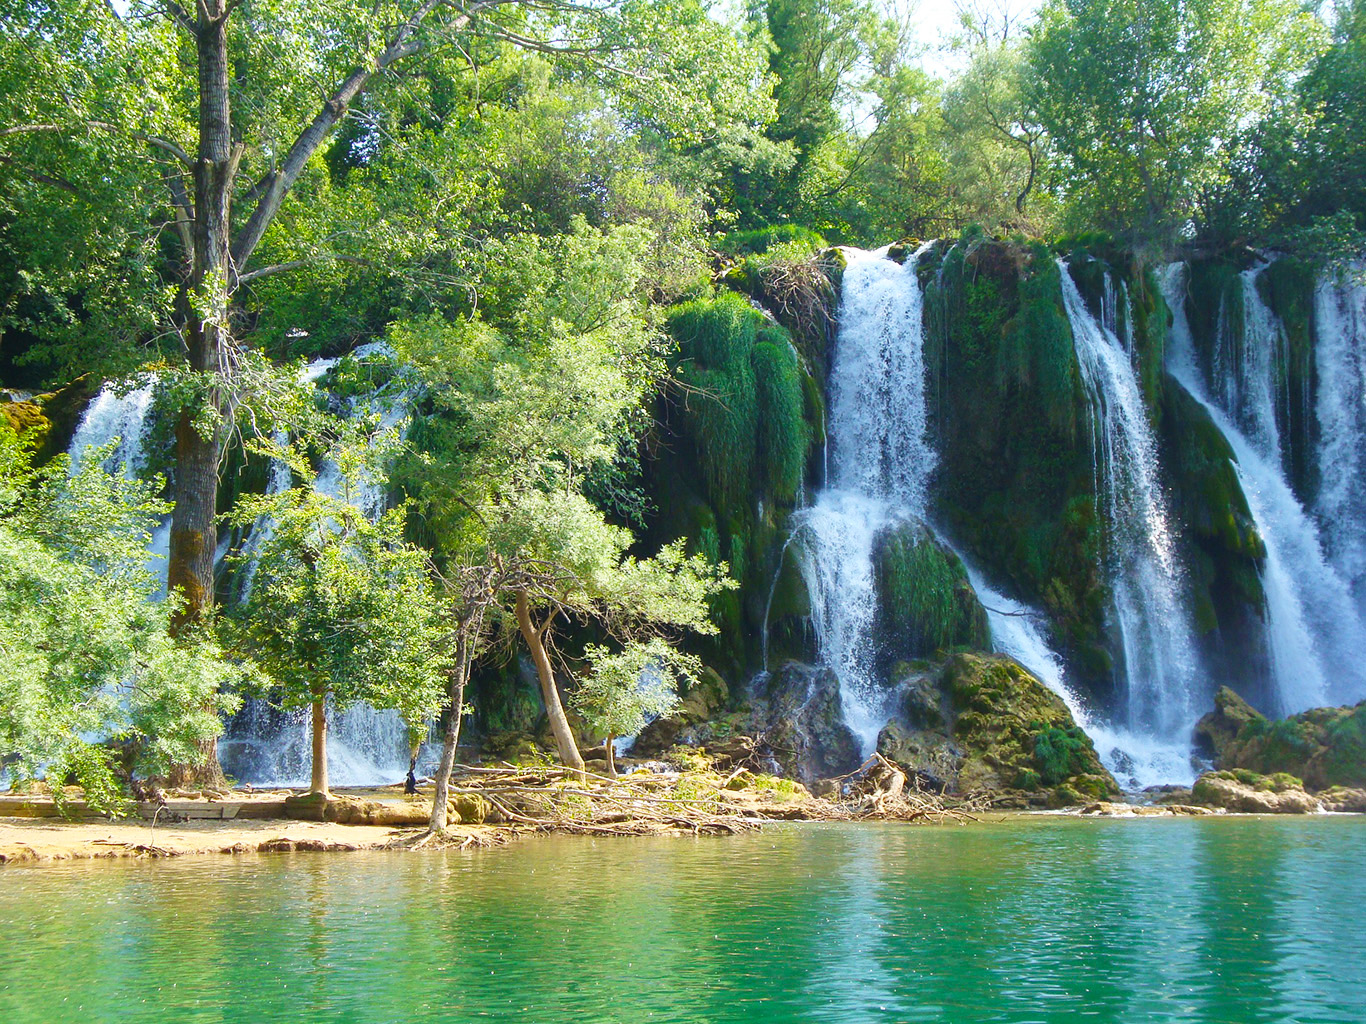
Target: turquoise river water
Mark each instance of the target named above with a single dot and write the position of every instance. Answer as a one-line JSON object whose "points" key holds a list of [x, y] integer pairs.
{"points": [[1040, 919]]}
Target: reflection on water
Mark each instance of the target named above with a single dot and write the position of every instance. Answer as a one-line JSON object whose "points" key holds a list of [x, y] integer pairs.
{"points": [[1041, 920]]}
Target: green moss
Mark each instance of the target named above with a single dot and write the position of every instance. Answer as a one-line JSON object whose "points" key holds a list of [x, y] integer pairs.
{"points": [[1009, 412], [1060, 753], [925, 602], [783, 437]]}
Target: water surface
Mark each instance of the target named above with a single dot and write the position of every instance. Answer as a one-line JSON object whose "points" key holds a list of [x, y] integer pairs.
{"points": [[1037, 920]]}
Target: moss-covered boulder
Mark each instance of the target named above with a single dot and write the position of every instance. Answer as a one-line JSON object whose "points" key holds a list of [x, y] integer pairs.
{"points": [[987, 726], [925, 602], [1247, 792], [1326, 747], [1220, 727], [1013, 729]]}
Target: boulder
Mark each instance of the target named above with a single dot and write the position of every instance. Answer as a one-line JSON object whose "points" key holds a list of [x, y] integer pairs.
{"points": [[1247, 792], [1326, 747], [799, 714], [1015, 732], [1218, 729], [1344, 800], [981, 723]]}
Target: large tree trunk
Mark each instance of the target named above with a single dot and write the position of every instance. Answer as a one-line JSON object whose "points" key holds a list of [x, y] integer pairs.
{"points": [[559, 724], [437, 822], [194, 535], [193, 532], [319, 781]]}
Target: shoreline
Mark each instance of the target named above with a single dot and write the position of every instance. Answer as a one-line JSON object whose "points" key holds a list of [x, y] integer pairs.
{"points": [[45, 841]]}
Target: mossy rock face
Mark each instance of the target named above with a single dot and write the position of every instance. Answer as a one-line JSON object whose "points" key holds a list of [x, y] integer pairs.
{"points": [[1001, 714], [1325, 747], [1010, 420], [982, 723], [25, 419], [925, 602]]}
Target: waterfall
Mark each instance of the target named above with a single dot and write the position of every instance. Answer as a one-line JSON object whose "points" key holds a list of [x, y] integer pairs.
{"points": [[365, 746], [1340, 354], [127, 417], [1314, 631], [881, 459], [1250, 351], [1137, 761], [1160, 664]]}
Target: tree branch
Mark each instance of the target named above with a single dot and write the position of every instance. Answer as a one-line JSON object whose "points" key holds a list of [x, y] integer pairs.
{"points": [[271, 191]]}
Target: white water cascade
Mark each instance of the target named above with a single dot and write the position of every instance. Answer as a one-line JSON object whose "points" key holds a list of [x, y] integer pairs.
{"points": [[262, 746], [127, 417], [1315, 633], [1340, 354], [365, 746], [1161, 666], [880, 464]]}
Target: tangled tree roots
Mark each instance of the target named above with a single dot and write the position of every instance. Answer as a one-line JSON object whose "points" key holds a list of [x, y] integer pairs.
{"points": [[880, 790], [563, 800]]}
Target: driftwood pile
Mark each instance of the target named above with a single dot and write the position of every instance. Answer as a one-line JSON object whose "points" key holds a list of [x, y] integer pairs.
{"points": [[880, 789]]}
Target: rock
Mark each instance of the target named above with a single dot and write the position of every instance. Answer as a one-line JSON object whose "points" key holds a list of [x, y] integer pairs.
{"points": [[1326, 747], [699, 704], [931, 757], [351, 811], [1247, 792], [799, 714], [1344, 800], [1015, 732], [1216, 730], [470, 809], [1107, 809]]}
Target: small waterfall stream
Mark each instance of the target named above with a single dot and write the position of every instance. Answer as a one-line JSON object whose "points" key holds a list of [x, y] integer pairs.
{"points": [[1340, 354], [880, 464], [1160, 664], [1314, 629], [365, 746], [127, 417]]}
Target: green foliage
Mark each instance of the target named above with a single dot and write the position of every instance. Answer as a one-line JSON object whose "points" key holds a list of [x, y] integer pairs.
{"points": [[88, 651], [760, 240], [1061, 753], [1139, 96], [627, 688], [340, 607], [925, 602]]}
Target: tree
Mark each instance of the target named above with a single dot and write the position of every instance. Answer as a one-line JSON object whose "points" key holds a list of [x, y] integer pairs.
{"points": [[995, 143], [544, 379], [629, 687], [1301, 183], [1141, 97], [89, 659], [235, 147], [341, 609]]}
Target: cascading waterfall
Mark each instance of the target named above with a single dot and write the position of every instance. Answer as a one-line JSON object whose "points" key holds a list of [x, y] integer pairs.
{"points": [[880, 464], [365, 746], [1340, 353], [127, 417], [1161, 668], [263, 746], [1315, 633]]}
